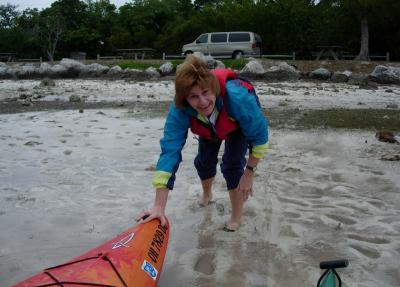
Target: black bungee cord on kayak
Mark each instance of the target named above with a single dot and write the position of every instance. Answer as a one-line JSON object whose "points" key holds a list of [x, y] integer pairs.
{"points": [[61, 283]]}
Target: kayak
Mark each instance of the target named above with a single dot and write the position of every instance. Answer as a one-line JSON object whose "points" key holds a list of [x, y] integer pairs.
{"points": [[133, 258]]}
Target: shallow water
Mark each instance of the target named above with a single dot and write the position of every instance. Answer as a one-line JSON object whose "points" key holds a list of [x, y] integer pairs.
{"points": [[69, 181]]}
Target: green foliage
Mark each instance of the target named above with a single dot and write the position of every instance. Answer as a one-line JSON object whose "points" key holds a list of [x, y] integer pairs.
{"points": [[285, 25], [235, 64]]}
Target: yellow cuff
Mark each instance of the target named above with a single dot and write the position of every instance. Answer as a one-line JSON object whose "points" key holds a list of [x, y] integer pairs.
{"points": [[258, 151], [160, 179]]}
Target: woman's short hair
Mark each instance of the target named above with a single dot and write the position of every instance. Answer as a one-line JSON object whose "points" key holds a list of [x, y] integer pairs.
{"points": [[191, 73]]}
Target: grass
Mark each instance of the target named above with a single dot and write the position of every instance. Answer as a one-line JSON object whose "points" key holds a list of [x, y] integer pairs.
{"points": [[235, 64], [363, 119]]}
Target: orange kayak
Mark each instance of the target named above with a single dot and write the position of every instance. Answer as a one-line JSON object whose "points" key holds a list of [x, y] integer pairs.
{"points": [[133, 258]]}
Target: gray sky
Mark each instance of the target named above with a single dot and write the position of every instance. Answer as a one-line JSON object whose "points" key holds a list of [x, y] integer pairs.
{"points": [[40, 4]]}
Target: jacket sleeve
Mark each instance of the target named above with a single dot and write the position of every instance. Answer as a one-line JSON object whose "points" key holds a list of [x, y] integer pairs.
{"points": [[175, 134], [244, 108]]}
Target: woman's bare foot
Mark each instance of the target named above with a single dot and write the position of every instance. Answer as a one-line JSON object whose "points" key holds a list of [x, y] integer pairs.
{"points": [[206, 199], [231, 226]]}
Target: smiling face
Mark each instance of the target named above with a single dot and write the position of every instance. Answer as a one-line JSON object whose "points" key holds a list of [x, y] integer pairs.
{"points": [[202, 99]]}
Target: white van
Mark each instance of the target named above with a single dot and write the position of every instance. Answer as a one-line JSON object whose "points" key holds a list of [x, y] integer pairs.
{"points": [[232, 44]]}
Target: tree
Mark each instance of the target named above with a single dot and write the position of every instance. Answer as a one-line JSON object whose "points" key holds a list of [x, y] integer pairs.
{"points": [[49, 28], [8, 15], [365, 10]]}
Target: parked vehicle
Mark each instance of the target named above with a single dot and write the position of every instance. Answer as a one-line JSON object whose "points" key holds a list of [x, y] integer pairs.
{"points": [[232, 44]]}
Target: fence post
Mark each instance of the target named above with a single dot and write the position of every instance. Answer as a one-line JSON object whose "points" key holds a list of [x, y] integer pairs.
{"points": [[41, 59], [294, 56], [98, 57], [387, 56], [163, 56]]}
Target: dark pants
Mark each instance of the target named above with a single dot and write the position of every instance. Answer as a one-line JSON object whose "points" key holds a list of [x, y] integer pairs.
{"points": [[233, 160]]}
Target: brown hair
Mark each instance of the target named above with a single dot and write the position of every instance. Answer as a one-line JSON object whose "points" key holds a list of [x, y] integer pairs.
{"points": [[191, 73]]}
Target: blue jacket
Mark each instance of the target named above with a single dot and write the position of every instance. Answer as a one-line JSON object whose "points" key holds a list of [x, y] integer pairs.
{"points": [[241, 106]]}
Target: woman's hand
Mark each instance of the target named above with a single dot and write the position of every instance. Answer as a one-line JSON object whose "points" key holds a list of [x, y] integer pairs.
{"points": [[152, 213], [158, 210], [246, 184]]}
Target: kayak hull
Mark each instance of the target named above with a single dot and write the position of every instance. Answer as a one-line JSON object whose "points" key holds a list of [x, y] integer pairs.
{"points": [[133, 258]]}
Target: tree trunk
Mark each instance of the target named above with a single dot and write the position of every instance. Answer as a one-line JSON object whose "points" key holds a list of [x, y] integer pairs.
{"points": [[364, 49]]}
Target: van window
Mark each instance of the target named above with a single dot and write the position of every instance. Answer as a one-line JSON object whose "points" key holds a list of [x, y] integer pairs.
{"points": [[239, 37], [202, 39], [219, 38]]}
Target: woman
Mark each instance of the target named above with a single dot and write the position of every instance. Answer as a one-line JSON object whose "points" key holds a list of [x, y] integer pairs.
{"points": [[217, 106]]}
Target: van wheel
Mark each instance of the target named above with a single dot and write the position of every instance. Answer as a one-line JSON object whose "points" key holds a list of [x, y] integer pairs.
{"points": [[237, 54]]}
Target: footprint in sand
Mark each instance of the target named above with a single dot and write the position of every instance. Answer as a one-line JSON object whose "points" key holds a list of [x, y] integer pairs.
{"points": [[374, 240], [341, 219], [366, 251], [205, 264]]}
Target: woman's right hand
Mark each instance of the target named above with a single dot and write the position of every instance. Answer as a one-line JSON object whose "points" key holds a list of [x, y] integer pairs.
{"points": [[158, 210], [152, 213]]}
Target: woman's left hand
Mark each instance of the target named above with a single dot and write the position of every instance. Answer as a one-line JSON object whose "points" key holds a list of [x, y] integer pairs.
{"points": [[246, 184]]}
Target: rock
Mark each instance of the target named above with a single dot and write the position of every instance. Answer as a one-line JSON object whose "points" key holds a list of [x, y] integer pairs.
{"points": [[46, 82], [152, 72], [6, 72], [220, 65], [75, 99], [282, 72], [208, 60], [166, 69], [253, 67], [340, 77], [385, 136], [46, 70], [58, 71], [358, 79], [94, 70], [392, 106], [320, 74], [368, 86], [386, 75], [24, 96], [73, 68], [27, 71], [115, 70]]}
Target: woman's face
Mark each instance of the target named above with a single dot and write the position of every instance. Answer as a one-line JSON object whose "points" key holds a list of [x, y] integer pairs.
{"points": [[202, 100]]}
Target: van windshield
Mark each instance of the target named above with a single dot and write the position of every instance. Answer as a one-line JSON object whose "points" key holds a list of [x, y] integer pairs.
{"points": [[202, 38]]}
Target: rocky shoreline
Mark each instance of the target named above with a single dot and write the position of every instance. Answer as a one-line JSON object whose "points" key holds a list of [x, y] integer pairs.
{"points": [[269, 71]]}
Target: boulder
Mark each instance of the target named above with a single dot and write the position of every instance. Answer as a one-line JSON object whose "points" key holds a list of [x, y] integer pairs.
{"points": [[340, 77], [166, 69], [73, 68], [320, 74], [358, 79], [94, 70], [152, 72], [220, 65], [46, 70], [386, 75], [59, 71], [253, 67], [27, 71], [6, 72], [115, 70], [282, 72], [136, 74]]}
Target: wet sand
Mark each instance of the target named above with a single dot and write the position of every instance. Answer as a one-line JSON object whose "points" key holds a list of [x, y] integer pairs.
{"points": [[70, 181]]}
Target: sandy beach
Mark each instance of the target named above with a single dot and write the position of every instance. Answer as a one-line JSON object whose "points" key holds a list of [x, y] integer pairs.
{"points": [[70, 180]]}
